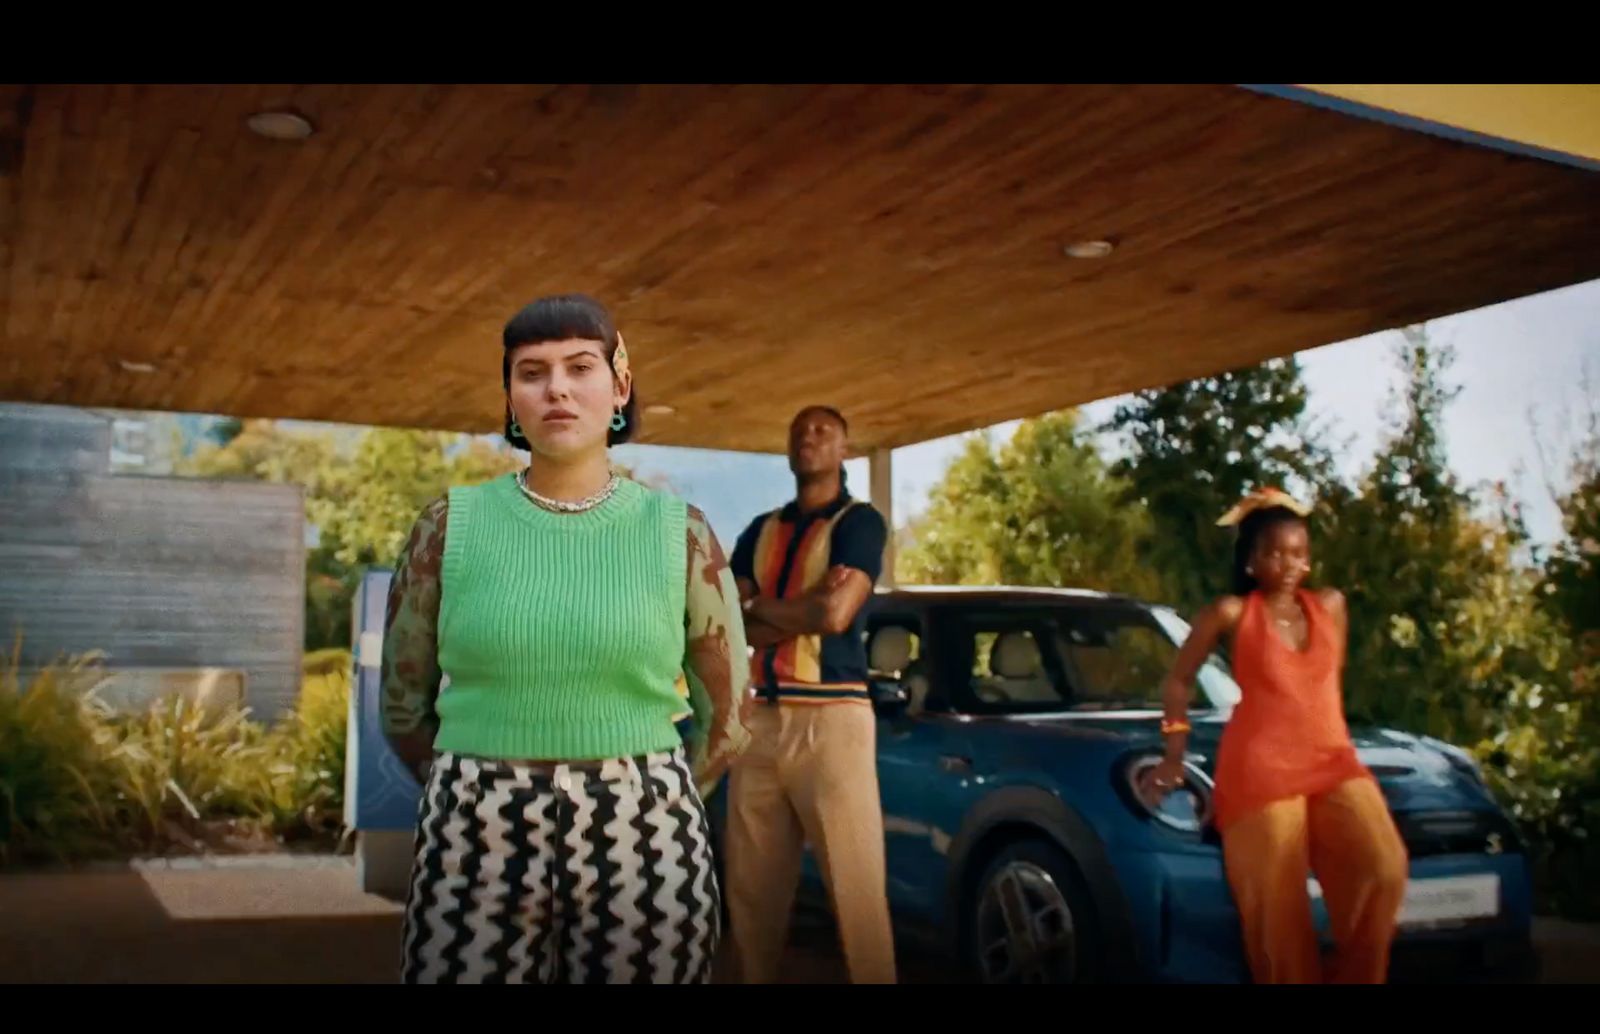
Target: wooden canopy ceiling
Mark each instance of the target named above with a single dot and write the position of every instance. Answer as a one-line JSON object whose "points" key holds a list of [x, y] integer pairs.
{"points": [[896, 251]]}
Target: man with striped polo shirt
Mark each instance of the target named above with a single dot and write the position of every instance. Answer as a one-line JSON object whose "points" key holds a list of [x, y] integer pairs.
{"points": [[810, 774]]}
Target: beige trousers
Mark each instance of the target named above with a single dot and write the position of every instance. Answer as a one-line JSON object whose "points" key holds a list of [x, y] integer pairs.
{"points": [[810, 775]]}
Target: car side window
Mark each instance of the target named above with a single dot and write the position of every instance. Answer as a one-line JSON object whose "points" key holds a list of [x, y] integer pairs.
{"points": [[1074, 656], [1010, 663], [1117, 657], [982, 651], [895, 651]]}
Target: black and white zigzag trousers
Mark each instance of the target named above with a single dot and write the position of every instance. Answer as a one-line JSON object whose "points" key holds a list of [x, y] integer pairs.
{"points": [[596, 872]]}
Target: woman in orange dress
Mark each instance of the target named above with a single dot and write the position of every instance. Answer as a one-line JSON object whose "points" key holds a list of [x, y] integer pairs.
{"points": [[1291, 797]]}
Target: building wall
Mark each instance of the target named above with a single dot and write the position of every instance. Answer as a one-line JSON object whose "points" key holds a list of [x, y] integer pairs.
{"points": [[157, 573]]}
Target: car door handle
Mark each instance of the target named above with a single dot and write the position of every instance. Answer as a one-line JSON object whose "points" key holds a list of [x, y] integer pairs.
{"points": [[954, 763]]}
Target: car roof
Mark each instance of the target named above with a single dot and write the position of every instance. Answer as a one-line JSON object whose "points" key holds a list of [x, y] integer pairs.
{"points": [[923, 595]]}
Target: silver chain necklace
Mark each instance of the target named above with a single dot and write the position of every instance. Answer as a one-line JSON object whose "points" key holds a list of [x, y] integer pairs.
{"points": [[561, 505]]}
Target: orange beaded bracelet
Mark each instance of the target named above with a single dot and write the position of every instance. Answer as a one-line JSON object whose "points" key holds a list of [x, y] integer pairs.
{"points": [[1168, 726]]}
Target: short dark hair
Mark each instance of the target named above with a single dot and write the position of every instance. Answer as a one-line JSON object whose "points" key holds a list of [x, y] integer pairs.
{"points": [[557, 318], [829, 410], [1254, 525]]}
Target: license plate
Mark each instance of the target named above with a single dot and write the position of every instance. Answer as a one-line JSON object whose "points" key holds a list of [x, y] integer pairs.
{"points": [[1444, 899]]}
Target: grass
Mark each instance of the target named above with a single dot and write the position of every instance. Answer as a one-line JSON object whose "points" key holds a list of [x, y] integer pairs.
{"points": [[79, 781]]}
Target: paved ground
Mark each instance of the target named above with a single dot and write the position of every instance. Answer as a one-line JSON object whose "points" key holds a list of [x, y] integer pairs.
{"points": [[304, 921], [1569, 953], [299, 920]]}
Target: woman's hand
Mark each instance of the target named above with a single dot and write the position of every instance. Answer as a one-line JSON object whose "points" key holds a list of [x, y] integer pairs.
{"points": [[708, 777], [1157, 782]]}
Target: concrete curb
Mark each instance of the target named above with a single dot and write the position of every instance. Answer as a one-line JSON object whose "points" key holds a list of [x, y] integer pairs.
{"points": [[193, 863]]}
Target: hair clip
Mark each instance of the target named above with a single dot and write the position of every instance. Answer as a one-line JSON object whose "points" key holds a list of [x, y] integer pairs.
{"points": [[619, 358], [1263, 499]]}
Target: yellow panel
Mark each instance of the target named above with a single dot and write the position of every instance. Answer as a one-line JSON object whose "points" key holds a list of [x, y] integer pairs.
{"points": [[1562, 117]]}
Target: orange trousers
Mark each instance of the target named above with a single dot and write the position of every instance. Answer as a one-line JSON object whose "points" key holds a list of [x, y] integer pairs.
{"points": [[810, 774], [1348, 838]]}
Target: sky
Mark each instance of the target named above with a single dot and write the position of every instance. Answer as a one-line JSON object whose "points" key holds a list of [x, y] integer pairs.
{"points": [[1525, 358]]}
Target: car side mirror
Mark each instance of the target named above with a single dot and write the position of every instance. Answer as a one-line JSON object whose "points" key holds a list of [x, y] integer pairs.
{"points": [[889, 696]]}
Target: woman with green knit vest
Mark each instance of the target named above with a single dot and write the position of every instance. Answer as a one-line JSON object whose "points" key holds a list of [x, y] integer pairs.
{"points": [[536, 631]]}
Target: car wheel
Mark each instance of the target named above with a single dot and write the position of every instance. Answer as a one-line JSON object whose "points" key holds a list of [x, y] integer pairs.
{"points": [[1029, 920]]}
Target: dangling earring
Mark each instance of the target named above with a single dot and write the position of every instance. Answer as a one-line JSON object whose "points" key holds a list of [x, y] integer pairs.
{"points": [[1251, 571], [516, 428], [618, 421]]}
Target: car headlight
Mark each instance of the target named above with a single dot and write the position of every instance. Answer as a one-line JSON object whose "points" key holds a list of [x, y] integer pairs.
{"points": [[1185, 809]]}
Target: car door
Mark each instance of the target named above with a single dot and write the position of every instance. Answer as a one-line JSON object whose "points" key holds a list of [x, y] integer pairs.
{"points": [[924, 768]]}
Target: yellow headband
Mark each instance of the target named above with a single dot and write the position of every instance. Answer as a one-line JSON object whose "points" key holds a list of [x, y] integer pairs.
{"points": [[619, 358], [1263, 499]]}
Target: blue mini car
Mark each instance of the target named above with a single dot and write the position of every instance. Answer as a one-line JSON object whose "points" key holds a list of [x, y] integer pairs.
{"points": [[1013, 725]]}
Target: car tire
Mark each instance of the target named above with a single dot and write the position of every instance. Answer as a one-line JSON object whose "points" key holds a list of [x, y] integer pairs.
{"points": [[1030, 920]]}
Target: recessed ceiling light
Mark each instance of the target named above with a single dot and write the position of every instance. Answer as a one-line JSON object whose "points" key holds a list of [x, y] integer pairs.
{"points": [[136, 367], [660, 410], [280, 125], [1089, 249]]}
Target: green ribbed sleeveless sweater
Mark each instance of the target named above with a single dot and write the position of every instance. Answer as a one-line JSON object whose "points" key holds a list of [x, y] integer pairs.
{"points": [[561, 635]]}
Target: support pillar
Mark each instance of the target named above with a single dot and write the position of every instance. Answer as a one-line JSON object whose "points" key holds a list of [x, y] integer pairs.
{"points": [[881, 466]]}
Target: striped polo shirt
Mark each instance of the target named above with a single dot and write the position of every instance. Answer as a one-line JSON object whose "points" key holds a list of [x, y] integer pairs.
{"points": [[786, 553]]}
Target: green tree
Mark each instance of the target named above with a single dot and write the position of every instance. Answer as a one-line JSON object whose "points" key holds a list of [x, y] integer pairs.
{"points": [[1193, 449], [1408, 555], [1563, 746], [367, 507], [361, 500], [1449, 636], [225, 430], [1042, 509], [265, 450], [1530, 679], [1572, 574]]}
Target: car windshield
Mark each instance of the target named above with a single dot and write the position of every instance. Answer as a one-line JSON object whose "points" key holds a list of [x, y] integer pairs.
{"points": [[1215, 677], [1083, 658]]}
